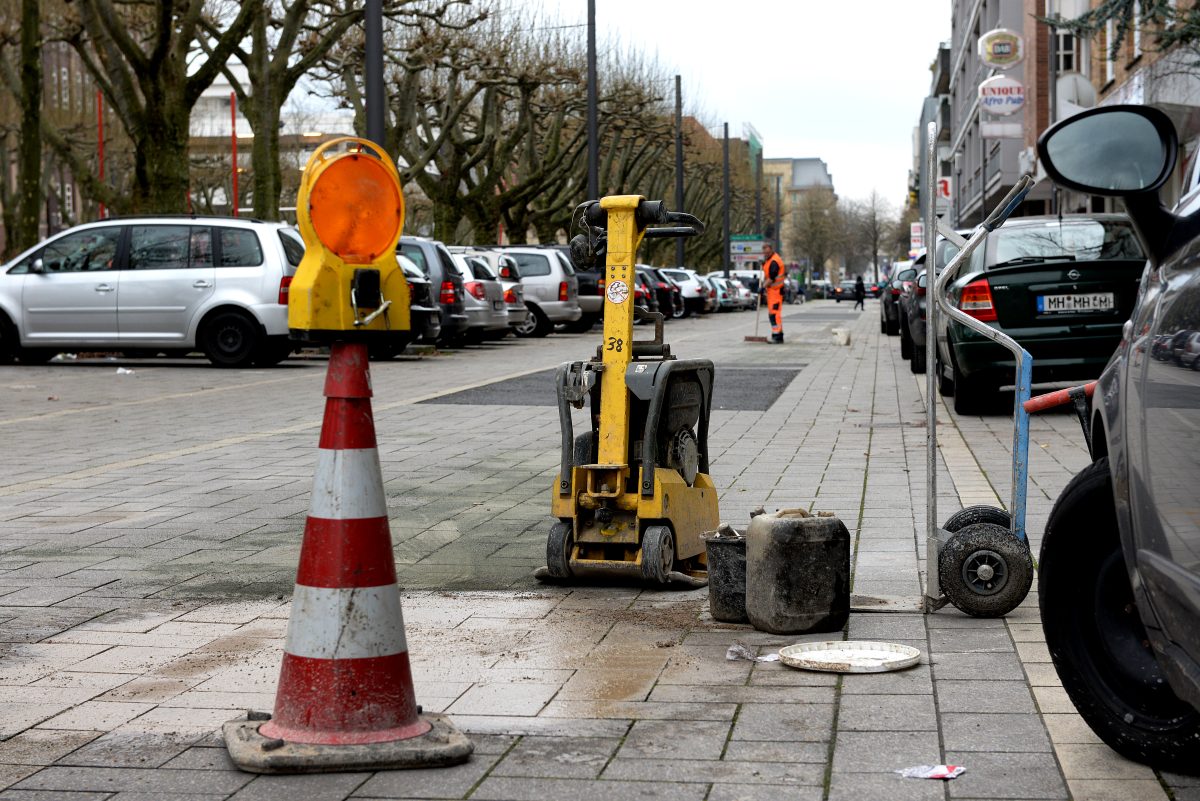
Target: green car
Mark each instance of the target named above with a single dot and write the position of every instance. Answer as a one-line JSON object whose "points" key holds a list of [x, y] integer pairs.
{"points": [[1061, 286]]}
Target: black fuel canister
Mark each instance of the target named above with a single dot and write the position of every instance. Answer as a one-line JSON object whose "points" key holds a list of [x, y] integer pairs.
{"points": [[797, 573]]}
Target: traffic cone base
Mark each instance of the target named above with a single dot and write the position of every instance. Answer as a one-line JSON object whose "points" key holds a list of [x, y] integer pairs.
{"points": [[345, 699], [252, 751]]}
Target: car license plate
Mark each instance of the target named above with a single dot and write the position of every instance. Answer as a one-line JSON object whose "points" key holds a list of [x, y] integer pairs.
{"points": [[1074, 304]]}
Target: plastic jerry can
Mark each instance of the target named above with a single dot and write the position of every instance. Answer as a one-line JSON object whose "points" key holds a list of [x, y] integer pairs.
{"points": [[797, 573]]}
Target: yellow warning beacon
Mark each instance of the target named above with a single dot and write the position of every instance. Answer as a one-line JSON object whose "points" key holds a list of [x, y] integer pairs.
{"points": [[350, 211]]}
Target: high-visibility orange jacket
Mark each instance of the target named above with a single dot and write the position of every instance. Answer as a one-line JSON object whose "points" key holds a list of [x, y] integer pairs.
{"points": [[774, 273]]}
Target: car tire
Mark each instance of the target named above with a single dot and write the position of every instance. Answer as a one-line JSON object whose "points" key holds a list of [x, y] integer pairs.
{"points": [[36, 355], [230, 339], [1196, 363], [971, 396], [916, 362], [583, 324], [882, 324], [945, 385], [906, 347], [1096, 638], [893, 328], [9, 341], [273, 351], [530, 325], [387, 350]]}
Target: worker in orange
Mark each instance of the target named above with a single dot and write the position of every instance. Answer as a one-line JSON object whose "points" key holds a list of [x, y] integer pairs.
{"points": [[774, 276]]}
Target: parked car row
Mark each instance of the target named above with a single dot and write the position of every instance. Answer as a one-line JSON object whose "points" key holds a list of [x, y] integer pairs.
{"points": [[149, 286]]}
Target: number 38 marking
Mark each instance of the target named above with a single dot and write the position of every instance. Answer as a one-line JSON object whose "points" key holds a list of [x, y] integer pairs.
{"points": [[615, 344]]}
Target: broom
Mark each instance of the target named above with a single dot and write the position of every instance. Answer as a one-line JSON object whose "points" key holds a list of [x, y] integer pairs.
{"points": [[757, 317]]}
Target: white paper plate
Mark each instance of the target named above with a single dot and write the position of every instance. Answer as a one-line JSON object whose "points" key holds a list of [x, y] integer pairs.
{"points": [[854, 656]]}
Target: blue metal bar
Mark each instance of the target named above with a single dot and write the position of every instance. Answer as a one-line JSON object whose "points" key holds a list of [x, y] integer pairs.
{"points": [[1020, 470]]}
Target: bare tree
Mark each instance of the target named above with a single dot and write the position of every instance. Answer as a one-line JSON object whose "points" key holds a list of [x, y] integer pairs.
{"points": [[869, 221], [24, 80], [817, 233]]}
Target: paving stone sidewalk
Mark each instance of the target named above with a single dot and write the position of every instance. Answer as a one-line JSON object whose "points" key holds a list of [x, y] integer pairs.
{"points": [[149, 533]]}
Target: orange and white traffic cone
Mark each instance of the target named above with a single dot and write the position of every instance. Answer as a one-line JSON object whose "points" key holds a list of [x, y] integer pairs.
{"points": [[345, 699]]}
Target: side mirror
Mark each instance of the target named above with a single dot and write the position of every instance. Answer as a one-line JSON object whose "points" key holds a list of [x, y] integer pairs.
{"points": [[1111, 150], [37, 266]]}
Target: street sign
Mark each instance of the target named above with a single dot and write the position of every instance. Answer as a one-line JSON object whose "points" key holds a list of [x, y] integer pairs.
{"points": [[746, 249], [916, 236], [1002, 95], [1001, 49], [943, 188]]}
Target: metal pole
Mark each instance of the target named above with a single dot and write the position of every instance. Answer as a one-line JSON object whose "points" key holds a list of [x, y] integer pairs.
{"points": [[593, 133], [778, 213], [100, 142], [1052, 91], [233, 204], [933, 586], [758, 229], [679, 257], [375, 97], [982, 169], [725, 201]]}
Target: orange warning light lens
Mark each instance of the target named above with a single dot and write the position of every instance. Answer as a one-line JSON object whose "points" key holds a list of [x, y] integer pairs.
{"points": [[356, 208]]}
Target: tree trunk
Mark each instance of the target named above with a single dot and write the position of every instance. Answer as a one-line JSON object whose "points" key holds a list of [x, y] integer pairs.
{"points": [[29, 153], [161, 161], [264, 156]]}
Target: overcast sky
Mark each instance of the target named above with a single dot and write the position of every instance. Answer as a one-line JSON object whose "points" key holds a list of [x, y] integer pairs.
{"points": [[842, 81]]}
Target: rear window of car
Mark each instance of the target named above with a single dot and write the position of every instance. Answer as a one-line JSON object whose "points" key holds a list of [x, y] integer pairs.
{"points": [[293, 246], [567, 267], [417, 256], [1082, 240], [532, 264], [480, 270], [239, 248], [678, 275]]}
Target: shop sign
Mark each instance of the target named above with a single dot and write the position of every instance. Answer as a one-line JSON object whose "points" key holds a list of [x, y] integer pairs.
{"points": [[1001, 49], [1002, 95]]}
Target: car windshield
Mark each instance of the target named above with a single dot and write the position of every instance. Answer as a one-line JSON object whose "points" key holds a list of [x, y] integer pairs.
{"points": [[1068, 240]]}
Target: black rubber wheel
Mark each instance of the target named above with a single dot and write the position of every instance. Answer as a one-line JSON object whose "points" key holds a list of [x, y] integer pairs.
{"points": [[658, 553], [971, 396], [559, 543], [882, 324], [273, 351], [388, 349], [36, 355], [1096, 637], [585, 448], [984, 571], [230, 339], [917, 363], [583, 324], [1196, 363], [977, 514], [945, 385], [906, 345], [893, 328], [535, 324]]}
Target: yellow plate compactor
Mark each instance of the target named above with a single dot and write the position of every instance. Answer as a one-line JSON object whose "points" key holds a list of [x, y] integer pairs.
{"points": [[633, 496]]}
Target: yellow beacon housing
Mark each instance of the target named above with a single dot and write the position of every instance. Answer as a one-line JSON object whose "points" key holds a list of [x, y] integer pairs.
{"points": [[349, 286]]}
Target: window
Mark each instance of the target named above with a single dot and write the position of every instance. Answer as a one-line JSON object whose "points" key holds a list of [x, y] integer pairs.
{"points": [[166, 247], [239, 248], [532, 264], [480, 270], [448, 266], [200, 255], [84, 251], [567, 267], [293, 246], [417, 256], [1068, 53]]}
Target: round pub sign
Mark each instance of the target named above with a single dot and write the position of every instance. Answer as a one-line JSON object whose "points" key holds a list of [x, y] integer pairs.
{"points": [[1001, 49]]}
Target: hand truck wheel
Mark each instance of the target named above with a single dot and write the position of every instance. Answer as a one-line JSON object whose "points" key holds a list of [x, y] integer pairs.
{"points": [[977, 514], [558, 550], [985, 571], [658, 553]]}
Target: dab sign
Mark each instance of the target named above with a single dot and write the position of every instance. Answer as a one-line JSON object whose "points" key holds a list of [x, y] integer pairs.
{"points": [[1002, 95], [1001, 49]]}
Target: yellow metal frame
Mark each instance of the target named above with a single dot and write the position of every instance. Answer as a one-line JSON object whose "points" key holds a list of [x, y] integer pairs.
{"points": [[319, 299], [690, 511]]}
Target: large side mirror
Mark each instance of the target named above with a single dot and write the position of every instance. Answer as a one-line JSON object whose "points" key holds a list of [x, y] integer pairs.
{"points": [[1111, 150], [37, 266]]}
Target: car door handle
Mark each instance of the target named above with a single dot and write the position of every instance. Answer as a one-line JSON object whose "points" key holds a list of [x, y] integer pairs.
{"points": [[202, 284], [104, 288]]}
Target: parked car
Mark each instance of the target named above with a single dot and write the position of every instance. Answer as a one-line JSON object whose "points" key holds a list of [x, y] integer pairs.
{"points": [[1189, 355], [644, 294], [1061, 287], [487, 315], [1119, 579], [875, 288], [728, 298], [670, 299], [820, 290], [504, 266], [711, 304], [150, 285], [424, 314], [889, 307], [913, 322], [692, 289], [844, 291], [432, 259], [551, 290]]}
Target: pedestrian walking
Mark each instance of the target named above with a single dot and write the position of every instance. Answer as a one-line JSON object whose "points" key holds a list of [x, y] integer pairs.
{"points": [[860, 294], [774, 274]]}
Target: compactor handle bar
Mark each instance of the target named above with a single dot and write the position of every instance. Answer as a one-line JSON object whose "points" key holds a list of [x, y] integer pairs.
{"points": [[653, 212]]}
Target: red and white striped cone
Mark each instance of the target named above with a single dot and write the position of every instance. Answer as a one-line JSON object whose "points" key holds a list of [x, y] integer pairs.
{"points": [[345, 699]]}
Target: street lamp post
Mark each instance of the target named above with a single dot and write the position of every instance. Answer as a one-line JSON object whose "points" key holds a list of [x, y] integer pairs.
{"points": [[373, 23], [593, 135], [678, 165], [725, 200]]}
